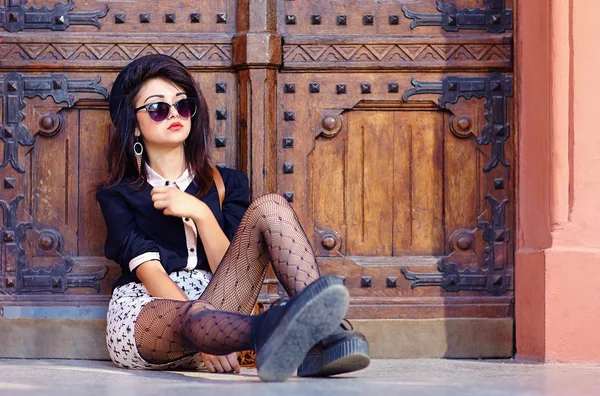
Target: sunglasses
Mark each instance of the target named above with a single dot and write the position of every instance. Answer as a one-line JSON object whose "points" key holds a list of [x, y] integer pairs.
{"points": [[159, 111]]}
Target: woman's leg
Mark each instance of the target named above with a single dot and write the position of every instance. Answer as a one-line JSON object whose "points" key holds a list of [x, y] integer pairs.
{"points": [[268, 233], [167, 330], [281, 336]]}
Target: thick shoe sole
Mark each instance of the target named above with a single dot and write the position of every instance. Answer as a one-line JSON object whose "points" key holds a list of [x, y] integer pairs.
{"points": [[313, 315], [344, 357]]}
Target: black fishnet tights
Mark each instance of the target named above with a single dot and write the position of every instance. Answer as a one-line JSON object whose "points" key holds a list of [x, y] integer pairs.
{"points": [[218, 324], [167, 330]]}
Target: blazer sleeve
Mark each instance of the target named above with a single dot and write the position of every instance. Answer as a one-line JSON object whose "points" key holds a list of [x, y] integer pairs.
{"points": [[237, 200], [125, 243]]}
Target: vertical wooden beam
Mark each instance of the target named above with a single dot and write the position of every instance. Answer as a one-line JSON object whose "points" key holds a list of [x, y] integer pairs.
{"points": [[257, 56]]}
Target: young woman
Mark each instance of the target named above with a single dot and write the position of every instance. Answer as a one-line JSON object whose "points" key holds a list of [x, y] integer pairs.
{"points": [[192, 265]]}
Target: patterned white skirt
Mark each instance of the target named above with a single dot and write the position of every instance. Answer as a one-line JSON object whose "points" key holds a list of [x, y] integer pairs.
{"points": [[125, 305]]}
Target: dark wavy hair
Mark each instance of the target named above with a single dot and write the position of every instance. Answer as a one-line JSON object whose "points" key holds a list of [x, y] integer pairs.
{"points": [[120, 154]]}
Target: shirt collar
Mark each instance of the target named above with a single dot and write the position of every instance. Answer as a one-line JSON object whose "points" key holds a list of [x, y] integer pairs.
{"points": [[156, 180]]}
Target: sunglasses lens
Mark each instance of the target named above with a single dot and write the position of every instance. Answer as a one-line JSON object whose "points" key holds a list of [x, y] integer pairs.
{"points": [[158, 111], [186, 108]]}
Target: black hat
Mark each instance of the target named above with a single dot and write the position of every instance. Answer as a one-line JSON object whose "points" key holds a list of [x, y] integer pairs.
{"points": [[121, 87]]}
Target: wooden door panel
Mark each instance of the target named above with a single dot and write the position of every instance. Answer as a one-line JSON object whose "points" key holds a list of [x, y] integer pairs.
{"points": [[379, 222], [193, 16], [423, 34], [396, 189], [426, 182], [402, 181], [93, 125], [425, 122], [463, 159], [389, 17], [327, 163], [64, 240], [370, 155], [56, 68], [395, 202], [54, 183]]}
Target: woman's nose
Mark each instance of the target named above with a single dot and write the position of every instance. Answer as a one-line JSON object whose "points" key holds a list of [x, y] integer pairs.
{"points": [[173, 112]]}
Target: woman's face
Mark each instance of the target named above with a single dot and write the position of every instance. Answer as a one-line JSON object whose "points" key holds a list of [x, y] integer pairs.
{"points": [[174, 129]]}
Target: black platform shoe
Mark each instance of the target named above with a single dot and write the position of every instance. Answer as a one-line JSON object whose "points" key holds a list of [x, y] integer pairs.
{"points": [[344, 351], [285, 333]]}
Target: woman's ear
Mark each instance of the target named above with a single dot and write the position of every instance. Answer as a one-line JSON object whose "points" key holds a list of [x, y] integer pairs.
{"points": [[136, 133]]}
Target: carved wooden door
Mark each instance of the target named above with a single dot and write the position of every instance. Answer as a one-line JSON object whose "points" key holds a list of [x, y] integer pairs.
{"points": [[388, 125], [396, 146]]}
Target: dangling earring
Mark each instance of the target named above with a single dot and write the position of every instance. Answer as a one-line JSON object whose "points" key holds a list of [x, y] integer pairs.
{"points": [[138, 150]]}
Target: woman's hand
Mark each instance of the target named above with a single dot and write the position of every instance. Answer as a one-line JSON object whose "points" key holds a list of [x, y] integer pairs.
{"points": [[222, 364], [174, 202]]}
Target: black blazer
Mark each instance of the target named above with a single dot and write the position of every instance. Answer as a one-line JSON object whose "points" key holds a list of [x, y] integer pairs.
{"points": [[135, 227]]}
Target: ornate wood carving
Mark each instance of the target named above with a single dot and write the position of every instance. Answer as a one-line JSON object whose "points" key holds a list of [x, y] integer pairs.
{"points": [[14, 87], [495, 18], [17, 277], [218, 54], [15, 17], [496, 88], [380, 52]]}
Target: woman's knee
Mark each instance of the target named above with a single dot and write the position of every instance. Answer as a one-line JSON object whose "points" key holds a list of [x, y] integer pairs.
{"points": [[267, 201], [197, 306]]}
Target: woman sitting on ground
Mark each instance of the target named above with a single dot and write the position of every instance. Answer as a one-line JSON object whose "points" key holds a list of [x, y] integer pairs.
{"points": [[193, 265]]}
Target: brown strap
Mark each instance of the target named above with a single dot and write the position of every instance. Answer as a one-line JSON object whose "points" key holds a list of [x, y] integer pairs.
{"points": [[220, 186]]}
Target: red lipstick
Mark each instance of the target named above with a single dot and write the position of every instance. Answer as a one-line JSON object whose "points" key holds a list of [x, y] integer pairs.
{"points": [[175, 125]]}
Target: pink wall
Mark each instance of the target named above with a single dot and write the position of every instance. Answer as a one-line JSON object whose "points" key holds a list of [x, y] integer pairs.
{"points": [[534, 231], [557, 278]]}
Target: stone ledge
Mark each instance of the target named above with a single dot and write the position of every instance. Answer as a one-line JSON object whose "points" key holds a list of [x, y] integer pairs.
{"points": [[53, 338], [389, 338], [472, 338]]}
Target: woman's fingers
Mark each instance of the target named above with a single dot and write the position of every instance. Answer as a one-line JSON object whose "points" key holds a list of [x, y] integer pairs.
{"points": [[207, 362], [234, 363], [160, 204], [225, 364], [160, 190], [217, 364], [222, 364], [209, 366], [159, 196], [165, 206]]}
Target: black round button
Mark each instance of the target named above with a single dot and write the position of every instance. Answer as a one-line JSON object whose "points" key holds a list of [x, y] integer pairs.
{"points": [[192, 250], [187, 219]]}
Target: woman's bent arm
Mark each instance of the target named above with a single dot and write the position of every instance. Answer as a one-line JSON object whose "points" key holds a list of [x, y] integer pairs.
{"points": [[212, 236], [157, 282], [174, 202]]}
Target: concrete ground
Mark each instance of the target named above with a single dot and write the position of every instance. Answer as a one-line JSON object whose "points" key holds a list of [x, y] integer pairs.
{"points": [[383, 377]]}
